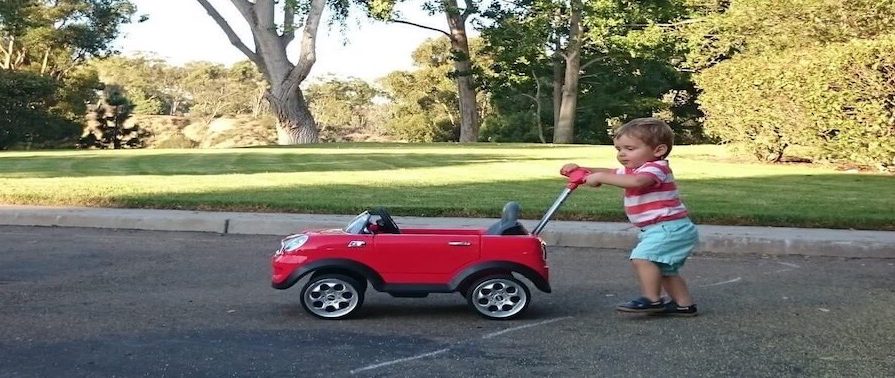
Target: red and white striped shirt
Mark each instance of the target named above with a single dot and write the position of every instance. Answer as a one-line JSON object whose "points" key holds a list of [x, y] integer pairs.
{"points": [[653, 203]]}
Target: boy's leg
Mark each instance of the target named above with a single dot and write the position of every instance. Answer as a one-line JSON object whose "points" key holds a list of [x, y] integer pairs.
{"points": [[676, 287], [649, 277]]}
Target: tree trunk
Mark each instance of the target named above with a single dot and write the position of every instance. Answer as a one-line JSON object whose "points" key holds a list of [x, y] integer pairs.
{"points": [[565, 128], [295, 124], [537, 102], [469, 116], [7, 63], [558, 68]]}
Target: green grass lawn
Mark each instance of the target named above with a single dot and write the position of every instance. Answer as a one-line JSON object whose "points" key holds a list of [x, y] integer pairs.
{"points": [[438, 180]]}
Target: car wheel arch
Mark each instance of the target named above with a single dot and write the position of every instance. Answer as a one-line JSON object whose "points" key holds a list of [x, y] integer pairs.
{"points": [[357, 270], [470, 274]]}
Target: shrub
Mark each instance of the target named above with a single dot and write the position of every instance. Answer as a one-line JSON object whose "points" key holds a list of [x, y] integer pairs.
{"points": [[420, 128], [837, 100], [513, 127], [25, 117], [176, 141], [106, 127]]}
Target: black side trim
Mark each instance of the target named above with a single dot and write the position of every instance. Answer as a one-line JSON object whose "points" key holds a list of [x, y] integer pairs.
{"points": [[415, 290], [483, 268], [334, 265]]}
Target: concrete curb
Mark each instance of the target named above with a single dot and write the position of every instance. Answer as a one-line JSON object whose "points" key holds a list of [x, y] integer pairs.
{"points": [[713, 239]]}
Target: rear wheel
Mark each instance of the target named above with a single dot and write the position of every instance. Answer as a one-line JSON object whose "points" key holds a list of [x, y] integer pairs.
{"points": [[332, 296], [498, 297]]}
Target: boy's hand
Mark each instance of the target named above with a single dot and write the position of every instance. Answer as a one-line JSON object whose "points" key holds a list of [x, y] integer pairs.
{"points": [[568, 168], [594, 179]]}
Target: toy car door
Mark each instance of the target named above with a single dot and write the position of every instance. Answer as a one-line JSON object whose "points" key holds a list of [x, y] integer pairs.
{"points": [[413, 258]]}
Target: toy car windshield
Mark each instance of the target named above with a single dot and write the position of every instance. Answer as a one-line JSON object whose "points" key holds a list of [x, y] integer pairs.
{"points": [[359, 224]]}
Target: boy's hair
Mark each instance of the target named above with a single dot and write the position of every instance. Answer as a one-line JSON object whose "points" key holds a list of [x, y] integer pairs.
{"points": [[651, 131]]}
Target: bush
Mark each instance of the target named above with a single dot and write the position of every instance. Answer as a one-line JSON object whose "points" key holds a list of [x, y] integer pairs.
{"points": [[837, 100], [25, 117], [420, 128], [513, 127], [106, 128], [176, 141]]}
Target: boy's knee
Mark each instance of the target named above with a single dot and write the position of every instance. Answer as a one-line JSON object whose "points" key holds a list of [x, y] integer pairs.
{"points": [[670, 270]]}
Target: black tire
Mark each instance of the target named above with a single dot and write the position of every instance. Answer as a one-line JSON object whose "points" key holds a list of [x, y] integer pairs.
{"points": [[498, 297], [332, 296]]}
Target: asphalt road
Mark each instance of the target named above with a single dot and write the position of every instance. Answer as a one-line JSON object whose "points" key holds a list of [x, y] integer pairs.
{"points": [[93, 302]]}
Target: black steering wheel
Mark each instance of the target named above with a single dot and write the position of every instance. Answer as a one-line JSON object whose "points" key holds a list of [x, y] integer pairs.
{"points": [[386, 223]]}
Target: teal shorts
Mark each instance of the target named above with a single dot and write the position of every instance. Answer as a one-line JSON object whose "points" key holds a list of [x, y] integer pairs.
{"points": [[668, 244]]}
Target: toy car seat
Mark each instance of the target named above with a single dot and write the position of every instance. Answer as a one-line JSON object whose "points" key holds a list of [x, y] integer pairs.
{"points": [[508, 223]]}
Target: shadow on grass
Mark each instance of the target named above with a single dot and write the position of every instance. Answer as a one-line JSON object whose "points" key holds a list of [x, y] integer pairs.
{"points": [[169, 164], [826, 201]]}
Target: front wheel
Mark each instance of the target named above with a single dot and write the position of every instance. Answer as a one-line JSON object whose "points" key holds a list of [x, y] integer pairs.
{"points": [[332, 296], [498, 297]]}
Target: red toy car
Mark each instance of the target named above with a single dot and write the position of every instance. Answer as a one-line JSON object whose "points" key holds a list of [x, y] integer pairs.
{"points": [[481, 264]]}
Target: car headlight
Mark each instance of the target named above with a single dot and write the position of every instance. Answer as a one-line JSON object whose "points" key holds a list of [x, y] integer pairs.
{"points": [[293, 242]]}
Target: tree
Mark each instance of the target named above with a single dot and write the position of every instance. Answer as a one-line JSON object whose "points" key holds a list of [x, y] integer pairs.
{"points": [[463, 73], [721, 30], [565, 125], [341, 107], [623, 63], [54, 37], [105, 127], [295, 123], [560, 35], [216, 90], [141, 79], [810, 73], [524, 69], [424, 101], [25, 115]]}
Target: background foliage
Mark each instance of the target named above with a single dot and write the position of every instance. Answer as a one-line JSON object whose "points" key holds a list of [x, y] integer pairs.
{"points": [[25, 117], [44, 84], [773, 78], [837, 99], [799, 73]]}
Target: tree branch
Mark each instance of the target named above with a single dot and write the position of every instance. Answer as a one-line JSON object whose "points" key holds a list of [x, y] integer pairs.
{"points": [[667, 25], [589, 62], [308, 54], [469, 11], [245, 9], [420, 26], [264, 13], [231, 35], [288, 24]]}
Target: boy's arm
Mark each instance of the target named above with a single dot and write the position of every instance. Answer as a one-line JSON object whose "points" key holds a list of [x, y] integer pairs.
{"points": [[600, 170], [572, 166], [622, 181]]}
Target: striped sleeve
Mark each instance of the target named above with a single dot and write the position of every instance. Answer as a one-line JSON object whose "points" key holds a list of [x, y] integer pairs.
{"points": [[658, 172]]}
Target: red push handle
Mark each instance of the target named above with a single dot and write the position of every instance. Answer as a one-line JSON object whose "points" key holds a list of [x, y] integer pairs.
{"points": [[576, 177]]}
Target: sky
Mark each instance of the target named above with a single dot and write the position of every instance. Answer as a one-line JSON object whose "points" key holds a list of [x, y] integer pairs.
{"points": [[180, 31]]}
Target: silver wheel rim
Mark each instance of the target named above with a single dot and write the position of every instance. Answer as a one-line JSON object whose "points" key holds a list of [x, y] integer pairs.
{"points": [[331, 298], [499, 298]]}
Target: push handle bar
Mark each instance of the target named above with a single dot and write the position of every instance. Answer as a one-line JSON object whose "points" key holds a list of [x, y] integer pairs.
{"points": [[576, 177]]}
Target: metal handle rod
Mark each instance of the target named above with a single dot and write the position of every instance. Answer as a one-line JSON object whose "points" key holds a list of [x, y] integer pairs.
{"points": [[556, 204]]}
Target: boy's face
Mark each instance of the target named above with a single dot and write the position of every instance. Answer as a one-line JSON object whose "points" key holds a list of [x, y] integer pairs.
{"points": [[633, 153]]}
